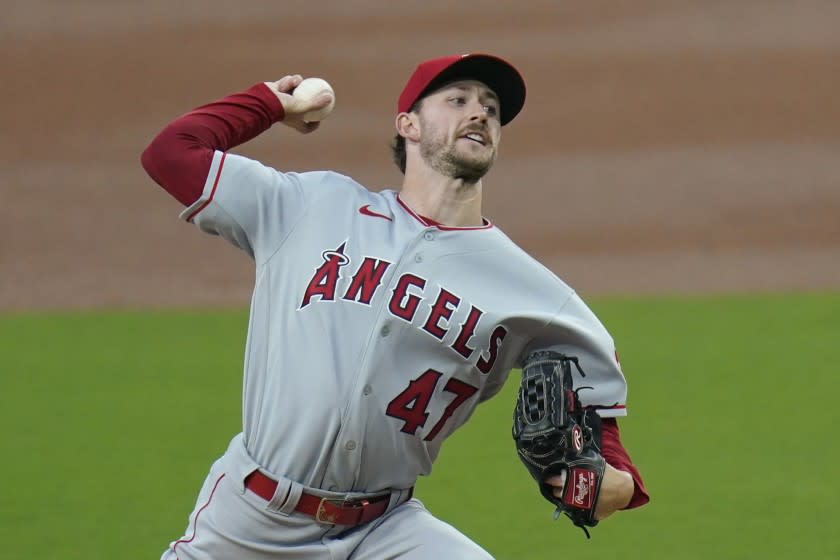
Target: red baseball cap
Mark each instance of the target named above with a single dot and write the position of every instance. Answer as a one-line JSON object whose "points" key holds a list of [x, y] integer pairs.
{"points": [[497, 74]]}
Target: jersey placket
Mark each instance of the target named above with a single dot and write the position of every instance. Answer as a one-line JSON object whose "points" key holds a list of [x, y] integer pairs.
{"points": [[347, 451]]}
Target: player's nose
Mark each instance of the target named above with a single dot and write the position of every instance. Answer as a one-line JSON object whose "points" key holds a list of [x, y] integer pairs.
{"points": [[477, 111]]}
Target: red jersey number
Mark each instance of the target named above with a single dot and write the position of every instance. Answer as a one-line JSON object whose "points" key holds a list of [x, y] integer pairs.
{"points": [[411, 404]]}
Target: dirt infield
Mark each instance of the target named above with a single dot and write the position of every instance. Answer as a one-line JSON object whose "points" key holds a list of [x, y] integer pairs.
{"points": [[664, 147]]}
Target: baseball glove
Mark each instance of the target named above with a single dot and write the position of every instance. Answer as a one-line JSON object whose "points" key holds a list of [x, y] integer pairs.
{"points": [[554, 434]]}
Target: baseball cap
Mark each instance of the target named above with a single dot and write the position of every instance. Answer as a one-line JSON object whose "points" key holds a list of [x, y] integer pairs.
{"points": [[499, 75]]}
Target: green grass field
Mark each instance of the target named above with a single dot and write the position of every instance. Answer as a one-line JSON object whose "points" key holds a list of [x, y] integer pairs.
{"points": [[111, 421]]}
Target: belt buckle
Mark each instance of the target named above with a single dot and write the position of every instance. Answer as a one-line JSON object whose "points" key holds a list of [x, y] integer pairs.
{"points": [[323, 516]]}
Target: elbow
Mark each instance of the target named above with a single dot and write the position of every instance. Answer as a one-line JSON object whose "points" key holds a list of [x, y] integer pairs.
{"points": [[152, 159], [147, 158], [176, 166]]}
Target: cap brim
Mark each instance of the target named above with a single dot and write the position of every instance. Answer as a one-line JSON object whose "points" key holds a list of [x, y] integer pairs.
{"points": [[497, 74]]}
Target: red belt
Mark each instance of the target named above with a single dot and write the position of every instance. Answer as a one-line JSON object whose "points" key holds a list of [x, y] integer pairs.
{"points": [[324, 510]]}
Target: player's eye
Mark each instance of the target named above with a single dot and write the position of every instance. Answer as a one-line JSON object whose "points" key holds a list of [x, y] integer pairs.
{"points": [[459, 100], [491, 110]]}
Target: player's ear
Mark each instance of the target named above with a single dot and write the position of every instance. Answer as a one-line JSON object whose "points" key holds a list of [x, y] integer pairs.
{"points": [[408, 126]]}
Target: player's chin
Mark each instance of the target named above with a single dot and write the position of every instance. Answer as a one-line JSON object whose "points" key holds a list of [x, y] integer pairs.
{"points": [[473, 171], [477, 155], [480, 162]]}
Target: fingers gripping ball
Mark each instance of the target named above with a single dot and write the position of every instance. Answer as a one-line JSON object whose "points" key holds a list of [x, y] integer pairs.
{"points": [[555, 435], [308, 90]]}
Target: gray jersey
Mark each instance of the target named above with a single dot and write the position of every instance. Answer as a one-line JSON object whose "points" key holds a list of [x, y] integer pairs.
{"points": [[373, 334]]}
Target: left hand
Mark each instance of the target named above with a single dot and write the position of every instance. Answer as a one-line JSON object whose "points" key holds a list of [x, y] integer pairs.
{"points": [[616, 491]]}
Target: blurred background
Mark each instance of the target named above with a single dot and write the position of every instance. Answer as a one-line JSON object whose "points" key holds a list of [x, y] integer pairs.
{"points": [[676, 162], [665, 146]]}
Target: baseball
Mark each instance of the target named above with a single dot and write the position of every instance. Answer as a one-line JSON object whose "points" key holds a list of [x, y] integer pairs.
{"points": [[309, 89]]}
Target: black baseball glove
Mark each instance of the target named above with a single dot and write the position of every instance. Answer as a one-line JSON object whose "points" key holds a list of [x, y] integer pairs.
{"points": [[554, 434]]}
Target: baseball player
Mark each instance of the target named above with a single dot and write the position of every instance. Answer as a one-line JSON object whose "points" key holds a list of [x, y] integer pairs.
{"points": [[379, 321]]}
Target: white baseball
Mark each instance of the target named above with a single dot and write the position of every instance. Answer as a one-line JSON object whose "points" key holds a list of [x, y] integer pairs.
{"points": [[309, 89]]}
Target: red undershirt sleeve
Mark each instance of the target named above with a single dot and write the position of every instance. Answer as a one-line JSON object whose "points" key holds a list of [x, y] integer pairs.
{"points": [[615, 454], [179, 158]]}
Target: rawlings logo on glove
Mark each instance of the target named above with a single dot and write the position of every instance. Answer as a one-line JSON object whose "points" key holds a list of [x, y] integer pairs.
{"points": [[581, 489], [555, 435]]}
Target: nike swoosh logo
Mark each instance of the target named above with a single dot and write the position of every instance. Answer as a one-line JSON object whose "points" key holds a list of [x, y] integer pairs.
{"points": [[365, 210]]}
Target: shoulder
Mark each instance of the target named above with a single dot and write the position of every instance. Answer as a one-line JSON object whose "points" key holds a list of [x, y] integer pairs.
{"points": [[330, 179], [239, 165], [526, 263], [330, 183]]}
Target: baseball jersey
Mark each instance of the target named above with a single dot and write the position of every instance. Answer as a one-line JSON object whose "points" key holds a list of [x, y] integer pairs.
{"points": [[374, 333]]}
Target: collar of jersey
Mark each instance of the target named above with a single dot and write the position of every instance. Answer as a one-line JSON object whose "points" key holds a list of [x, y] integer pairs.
{"points": [[428, 222]]}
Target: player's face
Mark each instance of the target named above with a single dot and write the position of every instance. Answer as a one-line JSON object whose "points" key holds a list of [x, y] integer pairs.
{"points": [[460, 130]]}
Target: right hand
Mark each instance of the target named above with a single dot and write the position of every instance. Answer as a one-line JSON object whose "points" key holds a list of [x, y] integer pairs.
{"points": [[616, 490], [295, 108]]}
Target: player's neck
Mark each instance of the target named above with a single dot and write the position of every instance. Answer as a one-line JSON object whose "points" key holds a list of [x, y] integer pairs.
{"points": [[451, 202]]}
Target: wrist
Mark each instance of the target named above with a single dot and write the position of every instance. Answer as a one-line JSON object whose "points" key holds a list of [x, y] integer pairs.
{"points": [[270, 95], [625, 489], [616, 492]]}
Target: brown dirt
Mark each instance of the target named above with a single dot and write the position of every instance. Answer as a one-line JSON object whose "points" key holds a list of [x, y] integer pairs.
{"points": [[665, 146]]}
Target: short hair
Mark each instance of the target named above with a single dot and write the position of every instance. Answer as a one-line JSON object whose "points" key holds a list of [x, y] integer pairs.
{"points": [[398, 143], [398, 152]]}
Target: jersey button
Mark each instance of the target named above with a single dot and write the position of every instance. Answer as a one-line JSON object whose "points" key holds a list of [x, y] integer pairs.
{"points": [[385, 331], [429, 236], [418, 257], [367, 390], [350, 445]]}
